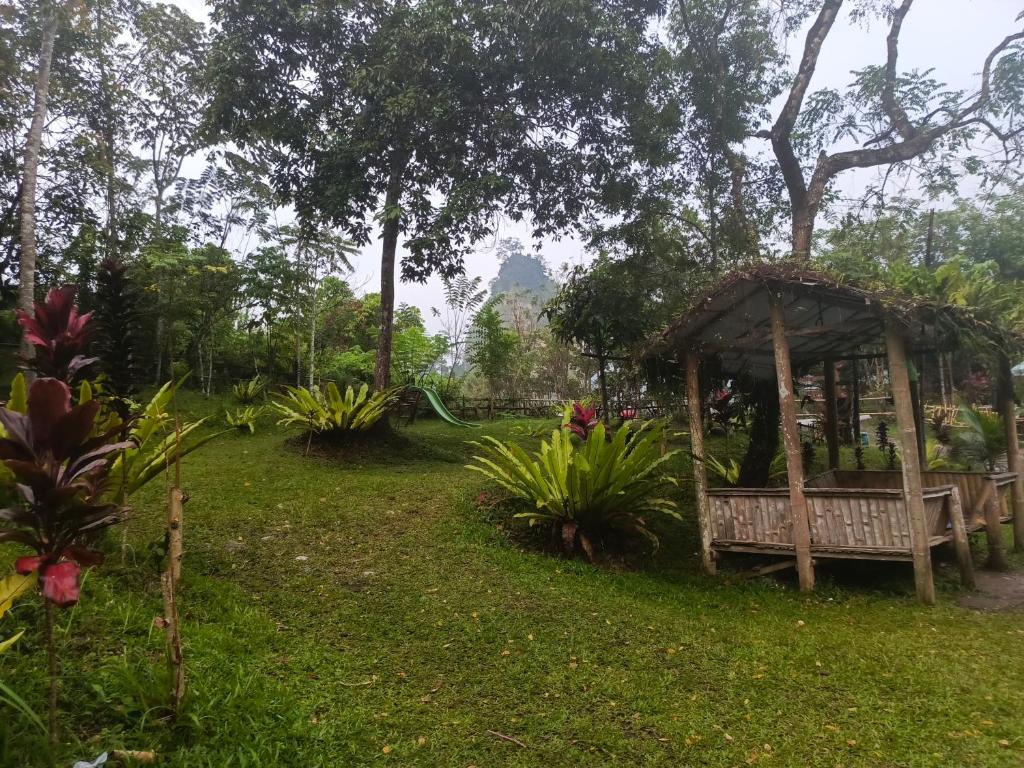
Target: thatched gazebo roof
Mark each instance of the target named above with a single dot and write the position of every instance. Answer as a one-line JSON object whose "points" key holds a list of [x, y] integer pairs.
{"points": [[825, 318]]}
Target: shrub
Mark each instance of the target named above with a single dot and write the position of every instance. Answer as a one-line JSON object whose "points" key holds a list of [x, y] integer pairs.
{"points": [[983, 441], [59, 465], [118, 318], [579, 419], [244, 418], [246, 392], [728, 473], [582, 488], [59, 335], [330, 413]]}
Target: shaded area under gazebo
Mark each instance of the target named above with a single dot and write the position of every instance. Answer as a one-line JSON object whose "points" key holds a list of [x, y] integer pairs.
{"points": [[768, 322]]}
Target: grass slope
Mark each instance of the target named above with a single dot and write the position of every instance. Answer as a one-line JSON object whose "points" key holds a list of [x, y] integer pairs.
{"points": [[367, 614]]}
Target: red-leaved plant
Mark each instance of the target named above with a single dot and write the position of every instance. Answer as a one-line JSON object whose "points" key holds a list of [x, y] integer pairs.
{"points": [[59, 466], [59, 335], [582, 420]]}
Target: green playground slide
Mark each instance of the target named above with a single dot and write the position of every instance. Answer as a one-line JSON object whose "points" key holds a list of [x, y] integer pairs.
{"points": [[435, 402]]}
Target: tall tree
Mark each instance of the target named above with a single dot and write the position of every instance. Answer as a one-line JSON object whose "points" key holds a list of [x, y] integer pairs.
{"points": [[604, 309], [440, 116], [895, 116], [30, 169]]}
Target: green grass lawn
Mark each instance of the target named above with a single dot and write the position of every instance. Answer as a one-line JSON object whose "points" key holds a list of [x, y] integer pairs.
{"points": [[366, 613]]}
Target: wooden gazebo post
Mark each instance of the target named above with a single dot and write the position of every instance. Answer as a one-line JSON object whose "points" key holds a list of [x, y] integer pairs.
{"points": [[700, 475], [791, 440], [1008, 409], [831, 414], [910, 460]]}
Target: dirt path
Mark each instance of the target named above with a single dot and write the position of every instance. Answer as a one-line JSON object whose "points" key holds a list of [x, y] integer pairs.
{"points": [[996, 592]]}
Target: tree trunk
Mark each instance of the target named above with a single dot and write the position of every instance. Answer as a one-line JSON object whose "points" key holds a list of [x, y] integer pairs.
{"points": [[159, 340], [312, 338], [389, 233], [803, 228], [755, 470], [107, 130], [604, 387], [27, 275]]}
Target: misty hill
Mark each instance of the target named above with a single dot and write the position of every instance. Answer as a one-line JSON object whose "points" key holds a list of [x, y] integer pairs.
{"points": [[522, 272]]}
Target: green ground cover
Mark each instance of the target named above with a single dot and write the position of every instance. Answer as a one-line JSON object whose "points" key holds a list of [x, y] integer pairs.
{"points": [[366, 612]]}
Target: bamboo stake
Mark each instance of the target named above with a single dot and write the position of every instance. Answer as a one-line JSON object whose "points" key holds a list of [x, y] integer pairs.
{"points": [[700, 476], [173, 633], [171, 577], [791, 439], [912, 493]]}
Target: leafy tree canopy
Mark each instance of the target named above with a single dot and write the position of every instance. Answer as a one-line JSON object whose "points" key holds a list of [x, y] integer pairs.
{"points": [[463, 109]]}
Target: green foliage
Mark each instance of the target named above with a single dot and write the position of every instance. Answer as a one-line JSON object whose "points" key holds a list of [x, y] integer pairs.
{"points": [[414, 353], [729, 472], [983, 440], [156, 445], [329, 413], [492, 347], [247, 392], [118, 318], [424, 67], [245, 418], [584, 488], [11, 589]]}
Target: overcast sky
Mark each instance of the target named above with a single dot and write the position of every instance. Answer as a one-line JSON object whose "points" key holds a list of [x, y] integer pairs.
{"points": [[951, 36]]}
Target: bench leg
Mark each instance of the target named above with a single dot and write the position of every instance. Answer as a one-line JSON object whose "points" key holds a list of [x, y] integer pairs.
{"points": [[960, 540], [993, 532]]}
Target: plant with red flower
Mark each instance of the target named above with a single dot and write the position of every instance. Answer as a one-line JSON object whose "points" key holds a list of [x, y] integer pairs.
{"points": [[582, 419], [59, 335]]}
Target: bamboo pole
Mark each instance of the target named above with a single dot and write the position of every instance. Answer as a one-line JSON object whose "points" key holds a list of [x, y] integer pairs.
{"points": [[831, 415], [994, 530], [1008, 409], [911, 464], [700, 475], [960, 540], [791, 439]]}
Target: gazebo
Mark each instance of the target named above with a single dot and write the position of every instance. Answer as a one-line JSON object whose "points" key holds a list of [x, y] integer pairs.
{"points": [[770, 321]]}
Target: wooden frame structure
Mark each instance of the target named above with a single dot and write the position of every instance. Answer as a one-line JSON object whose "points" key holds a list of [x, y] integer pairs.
{"points": [[766, 323]]}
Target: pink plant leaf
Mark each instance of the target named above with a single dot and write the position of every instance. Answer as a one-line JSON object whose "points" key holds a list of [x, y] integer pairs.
{"points": [[60, 583], [23, 566]]}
